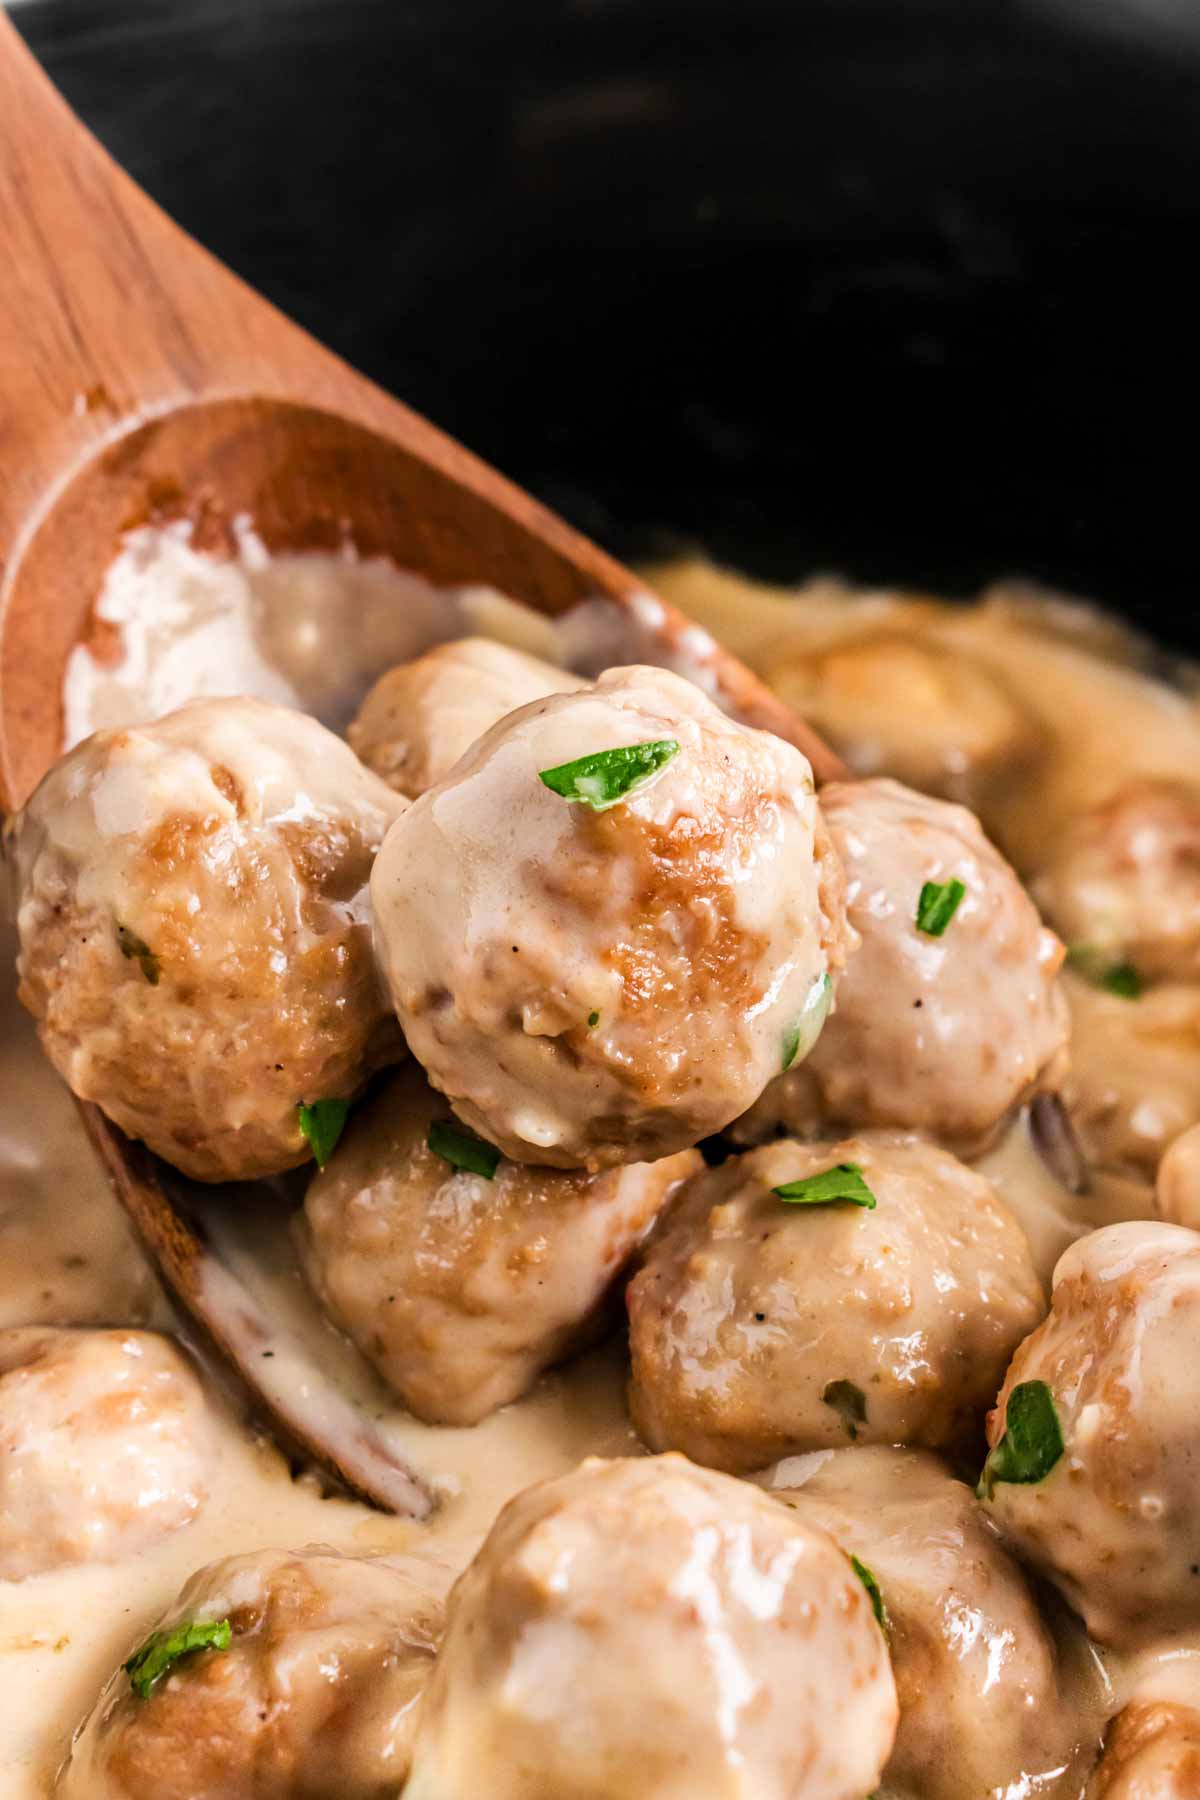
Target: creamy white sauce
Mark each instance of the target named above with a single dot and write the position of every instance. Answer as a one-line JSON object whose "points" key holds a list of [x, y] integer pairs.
{"points": [[314, 631], [310, 629]]}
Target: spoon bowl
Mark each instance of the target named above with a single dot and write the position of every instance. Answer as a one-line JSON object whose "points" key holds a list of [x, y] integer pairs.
{"points": [[141, 382]]}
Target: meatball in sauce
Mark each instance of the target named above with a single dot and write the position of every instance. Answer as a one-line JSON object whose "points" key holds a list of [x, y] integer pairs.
{"points": [[462, 1280], [1124, 883], [105, 1445], [194, 942], [948, 1013], [1151, 1752], [762, 1326], [987, 1698], [645, 1627], [609, 973], [895, 704], [307, 1688], [1111, 1516], [422, 716]]}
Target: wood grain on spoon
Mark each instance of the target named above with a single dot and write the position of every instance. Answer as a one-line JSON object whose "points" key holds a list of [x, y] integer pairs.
{"points": [[140, 380]]}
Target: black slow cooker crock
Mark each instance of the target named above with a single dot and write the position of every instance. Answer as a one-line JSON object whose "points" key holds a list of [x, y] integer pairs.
{"points": [[906, 289]]}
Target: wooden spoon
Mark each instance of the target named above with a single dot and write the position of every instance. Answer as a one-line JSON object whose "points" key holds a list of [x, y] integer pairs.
{"points": [[140, 380]]}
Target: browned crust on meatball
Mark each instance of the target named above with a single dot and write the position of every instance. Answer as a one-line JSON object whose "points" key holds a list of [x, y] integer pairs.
{"points": [[1151, 1752]]}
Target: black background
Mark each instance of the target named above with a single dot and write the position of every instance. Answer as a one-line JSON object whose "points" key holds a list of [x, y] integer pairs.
{"points": [[908, 290]]}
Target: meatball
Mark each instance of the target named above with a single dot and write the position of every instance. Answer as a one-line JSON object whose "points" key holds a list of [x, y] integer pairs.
{"points": [[194, 941], [420, 717], [1134, 1081], [1177, 1191], [1124, 882], [594, 984], [313, 1699], [894, 703], [759, 1328], [105, 1444], [937, 1033], [462, 1288], [983, 1706], [644, 1627], [1113, 1521], [1151, 1752]]}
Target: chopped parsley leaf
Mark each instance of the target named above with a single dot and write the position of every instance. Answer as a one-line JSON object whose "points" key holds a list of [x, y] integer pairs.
{"points": [[1119, 978], [938, 904], [844, 1182], [849, 1402], [607, 776], [463, 1149], [801, 1036], [872, 1586], [1032, 1443], [1124, 981], [593, 1020], [136, 949], [147, 1666], [322, 1124]]}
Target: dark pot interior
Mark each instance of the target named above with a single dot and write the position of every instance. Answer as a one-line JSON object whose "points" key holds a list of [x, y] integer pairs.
{"points": [[904, 289]]}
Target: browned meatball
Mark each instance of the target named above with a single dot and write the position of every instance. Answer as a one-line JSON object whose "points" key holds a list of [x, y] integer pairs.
{"points": [[1151, 1752], [1124, 883], [1133, 1085], [195, 943], [895, 703], [105, 1446], [760, 1328], [937, 1033], [312, 1700], [1177, 1188], [460, 1288], [419, 718], [644, 1628], [608, 975], [985, 1707], [1112, 1517]]}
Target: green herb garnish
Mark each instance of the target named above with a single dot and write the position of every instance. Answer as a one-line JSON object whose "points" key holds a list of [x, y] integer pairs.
{"points": [[606, 776], [322, 1124], [136, 949], [1119, 978], [593, 1020], [463, 1149], [845, 1182], [800, 1037], [1032, 1441], [872, 1586], [849, 1402], [938, 904], [1124, 981], [147, 1666]]}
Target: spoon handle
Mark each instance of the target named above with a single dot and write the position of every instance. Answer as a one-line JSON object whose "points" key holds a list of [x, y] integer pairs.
{"points": [[110, 314]]}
